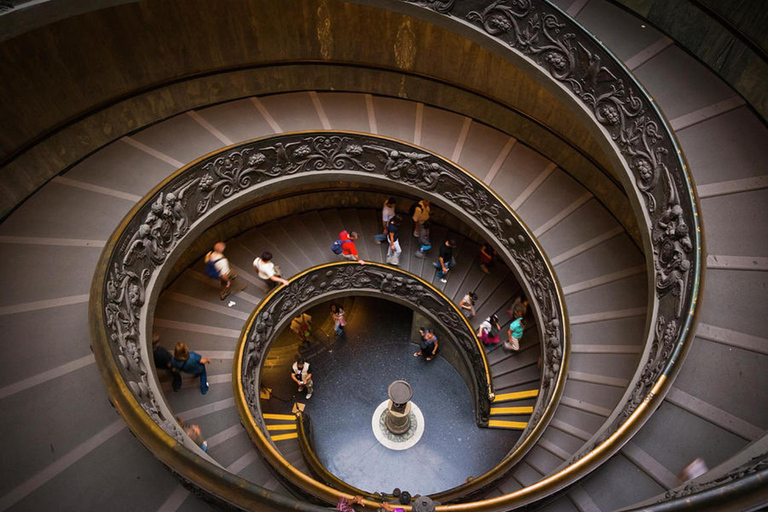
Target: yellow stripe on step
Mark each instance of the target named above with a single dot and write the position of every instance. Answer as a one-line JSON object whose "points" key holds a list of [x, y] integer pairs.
{"points": [[284, 426], [283, 437], [517, 425], [519, 395], [290, 417], [511, 410]]}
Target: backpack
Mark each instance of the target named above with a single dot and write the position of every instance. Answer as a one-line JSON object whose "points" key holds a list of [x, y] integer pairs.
{"points": [[494, 332], [412, 209], [210, 269], [338, 245]]}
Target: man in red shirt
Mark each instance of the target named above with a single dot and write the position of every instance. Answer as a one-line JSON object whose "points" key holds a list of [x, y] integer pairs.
{"points": [[348, 249]]}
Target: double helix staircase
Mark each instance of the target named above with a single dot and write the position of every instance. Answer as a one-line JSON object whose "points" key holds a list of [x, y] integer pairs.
{"points": [[61, 435]]}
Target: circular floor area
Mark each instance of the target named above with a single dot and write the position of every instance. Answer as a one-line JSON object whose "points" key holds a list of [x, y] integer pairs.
{"points": [[351, 382]]}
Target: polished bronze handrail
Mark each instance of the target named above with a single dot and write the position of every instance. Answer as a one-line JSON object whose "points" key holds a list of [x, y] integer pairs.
{"points": [[144, 247], [306, 444], [328, 281], [323, 283]]}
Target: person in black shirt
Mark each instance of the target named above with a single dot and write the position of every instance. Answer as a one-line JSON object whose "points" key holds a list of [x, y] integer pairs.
{"points": [[163, 361], [446, 260], [393, 237]]}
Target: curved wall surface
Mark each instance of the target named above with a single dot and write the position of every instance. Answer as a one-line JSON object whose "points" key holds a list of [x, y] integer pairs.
{"points": [[151, 61], [64, 99]]}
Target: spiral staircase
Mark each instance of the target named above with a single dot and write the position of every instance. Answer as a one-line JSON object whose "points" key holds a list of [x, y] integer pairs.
{"points": [[66, 449]]}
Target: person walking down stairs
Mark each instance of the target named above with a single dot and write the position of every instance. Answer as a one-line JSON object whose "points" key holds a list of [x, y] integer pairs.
{"points": [[421, 212], [345, 245], [393, 237], [467, 305], [217, 267], [446, 260], [489, 330], [424, 244], [268, 271], [514, 334], [191, 362]]}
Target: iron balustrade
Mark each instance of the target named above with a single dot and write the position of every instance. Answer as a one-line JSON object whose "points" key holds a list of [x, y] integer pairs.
{"points": [[151, 238]]}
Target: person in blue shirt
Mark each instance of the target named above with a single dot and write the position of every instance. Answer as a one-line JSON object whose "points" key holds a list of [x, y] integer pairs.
{"points": [[191, 362], [514, 334]]}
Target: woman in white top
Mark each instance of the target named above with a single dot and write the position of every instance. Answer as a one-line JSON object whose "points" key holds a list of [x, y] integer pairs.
{"points": [[467, 305], [267, 270]]}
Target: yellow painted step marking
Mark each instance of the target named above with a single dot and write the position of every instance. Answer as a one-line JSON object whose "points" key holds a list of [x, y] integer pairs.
{"points": [[517, 425], [284, 426], [290, 417], [283, 437], [519, 395], [512, 410]]}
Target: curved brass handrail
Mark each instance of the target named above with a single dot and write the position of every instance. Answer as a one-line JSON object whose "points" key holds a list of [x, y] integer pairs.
{"points": [[323, 283], [331, 280], [304, 430], [148, 241]]}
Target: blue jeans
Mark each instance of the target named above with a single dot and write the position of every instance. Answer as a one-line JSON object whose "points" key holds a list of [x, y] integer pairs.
{"points": [[448, 265], [203, 381]]}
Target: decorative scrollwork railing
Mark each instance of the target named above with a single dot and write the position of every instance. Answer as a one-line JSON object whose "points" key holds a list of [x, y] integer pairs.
{"points": [[328, 281], [655, 175], [325, 283], [157, 230]]}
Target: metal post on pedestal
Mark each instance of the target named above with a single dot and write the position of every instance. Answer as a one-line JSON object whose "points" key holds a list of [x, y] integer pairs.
{"points": [[398, 419]]}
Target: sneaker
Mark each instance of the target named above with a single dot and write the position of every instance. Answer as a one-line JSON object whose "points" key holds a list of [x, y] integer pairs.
{"points": [[309, 395], [224, 293], [204, 391], [443, 280]]}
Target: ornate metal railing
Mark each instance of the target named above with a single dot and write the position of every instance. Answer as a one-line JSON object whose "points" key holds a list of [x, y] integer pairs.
{"points": [[140, 253], [741, 488], [575, 65], [332, 280], [322, 284]]}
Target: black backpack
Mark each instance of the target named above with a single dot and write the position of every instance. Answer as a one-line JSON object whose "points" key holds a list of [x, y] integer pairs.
{"points": [[412, 209]]}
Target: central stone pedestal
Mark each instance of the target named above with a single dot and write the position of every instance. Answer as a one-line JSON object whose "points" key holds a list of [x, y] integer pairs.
{"points": [[398, 419], [398, 423]]}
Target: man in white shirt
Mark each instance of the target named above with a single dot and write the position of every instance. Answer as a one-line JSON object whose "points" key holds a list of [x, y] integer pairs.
{"points": [[301, 376], [267, 270]]}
